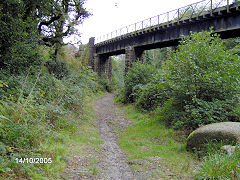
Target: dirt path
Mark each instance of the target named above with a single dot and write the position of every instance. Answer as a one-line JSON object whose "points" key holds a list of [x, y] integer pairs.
{"points": [[113, 163]]}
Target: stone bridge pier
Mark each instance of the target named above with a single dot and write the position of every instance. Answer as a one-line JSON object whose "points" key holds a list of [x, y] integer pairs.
{"points": [[132, 55], [102, 63]]}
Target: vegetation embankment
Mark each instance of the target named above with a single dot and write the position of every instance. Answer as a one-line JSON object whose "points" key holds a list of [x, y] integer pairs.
{"points": [[193, 85], [44, 90], [40, 116]]}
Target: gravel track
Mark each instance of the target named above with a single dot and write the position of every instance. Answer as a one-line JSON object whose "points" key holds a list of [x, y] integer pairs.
{"points": [[113, 163]]}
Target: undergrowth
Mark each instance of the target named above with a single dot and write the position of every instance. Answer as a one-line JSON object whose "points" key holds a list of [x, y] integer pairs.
{"points": [[38, 114]]}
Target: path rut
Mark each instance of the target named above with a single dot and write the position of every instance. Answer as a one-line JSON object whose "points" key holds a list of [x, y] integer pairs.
{"points": [[113, 163]]}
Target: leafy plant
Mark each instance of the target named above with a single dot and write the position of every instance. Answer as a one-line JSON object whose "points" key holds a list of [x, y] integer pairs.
{"points": [[204, 80], [139, 74], [58, 68]]}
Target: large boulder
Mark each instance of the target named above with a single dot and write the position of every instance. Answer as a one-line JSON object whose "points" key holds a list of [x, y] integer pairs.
{"points": [[224, 131]]}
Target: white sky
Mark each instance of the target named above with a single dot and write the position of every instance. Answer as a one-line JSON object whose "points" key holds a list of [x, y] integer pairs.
{"points": [[109, 15]]}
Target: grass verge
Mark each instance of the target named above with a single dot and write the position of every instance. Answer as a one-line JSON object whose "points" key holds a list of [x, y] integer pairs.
{"points": [[154, 150], [82, 152]]}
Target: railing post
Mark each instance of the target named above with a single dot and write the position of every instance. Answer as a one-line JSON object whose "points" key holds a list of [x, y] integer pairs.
{"points": [[211, 8], [135, 27], [227, 5], [158, 19], [168, 17], [150, 21], [142, 24], [178, 15]]}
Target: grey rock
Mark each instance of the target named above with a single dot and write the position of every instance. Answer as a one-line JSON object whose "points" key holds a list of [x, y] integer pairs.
{"points": [[224, 131]]}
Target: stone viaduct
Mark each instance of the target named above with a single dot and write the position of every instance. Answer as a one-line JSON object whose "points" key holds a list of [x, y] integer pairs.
{"points": [[152, 33]]}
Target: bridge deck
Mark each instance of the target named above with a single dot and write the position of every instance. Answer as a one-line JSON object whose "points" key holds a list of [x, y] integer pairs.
{"points": [[224, 20]]}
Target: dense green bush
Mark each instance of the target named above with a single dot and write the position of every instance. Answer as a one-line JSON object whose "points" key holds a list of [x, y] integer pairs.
{"points": [[139, 74], [58, 68], [151, 96], [205, 81], [105, 83], [198, 85]]}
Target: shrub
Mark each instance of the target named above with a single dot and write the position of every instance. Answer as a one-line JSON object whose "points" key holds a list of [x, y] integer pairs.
{"points": [[204, 80], [151, 96], [58, 68], [139, 74], [105, 84], [198, 85]]}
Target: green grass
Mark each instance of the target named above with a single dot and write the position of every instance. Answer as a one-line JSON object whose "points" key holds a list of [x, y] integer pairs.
{"points": [[62, 147], [146, 138], [68, 146], [83, 141], [216, 164]]}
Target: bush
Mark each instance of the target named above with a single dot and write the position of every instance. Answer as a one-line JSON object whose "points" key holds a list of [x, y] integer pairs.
{"points": [[198, 85], [139, 74], [204, 80], [105, 84], [58, 68], [151, 96]]}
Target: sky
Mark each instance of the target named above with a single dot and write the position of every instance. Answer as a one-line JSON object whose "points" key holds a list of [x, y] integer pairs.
{"points": [[109, 15]]}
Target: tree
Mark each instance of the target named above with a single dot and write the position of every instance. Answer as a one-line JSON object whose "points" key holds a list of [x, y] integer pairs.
{"points": [[27, 23], [61, 21], [18, 40]]}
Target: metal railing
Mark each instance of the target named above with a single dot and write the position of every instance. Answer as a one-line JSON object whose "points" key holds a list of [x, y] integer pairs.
{"points": [[180, 14]]}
